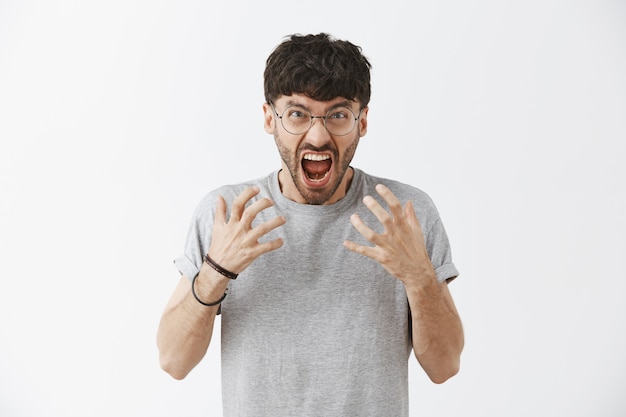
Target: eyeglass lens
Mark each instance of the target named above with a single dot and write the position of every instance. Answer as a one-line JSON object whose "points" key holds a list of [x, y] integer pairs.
{"points": [[339, 121]]}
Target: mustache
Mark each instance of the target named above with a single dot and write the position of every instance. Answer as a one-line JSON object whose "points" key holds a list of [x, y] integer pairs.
{"points": [[324, 148]]}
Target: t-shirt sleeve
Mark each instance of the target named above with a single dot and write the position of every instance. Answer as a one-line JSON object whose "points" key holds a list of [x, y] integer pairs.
{"points": [[438, 247], [198, 239]]}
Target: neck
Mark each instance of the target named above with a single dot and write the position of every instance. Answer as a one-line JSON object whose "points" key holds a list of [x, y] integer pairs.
{"points": [[290, 191]]}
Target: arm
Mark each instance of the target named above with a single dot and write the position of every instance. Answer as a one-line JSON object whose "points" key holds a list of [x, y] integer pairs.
{"points": [[186, 326], [437, 331]]}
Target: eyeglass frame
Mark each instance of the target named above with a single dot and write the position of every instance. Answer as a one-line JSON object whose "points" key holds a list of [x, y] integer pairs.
{"points": [[356, 118]]}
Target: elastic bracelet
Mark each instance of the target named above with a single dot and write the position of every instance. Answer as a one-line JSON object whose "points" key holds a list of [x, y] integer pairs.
{"points": [[218, 268], [193, 291]]}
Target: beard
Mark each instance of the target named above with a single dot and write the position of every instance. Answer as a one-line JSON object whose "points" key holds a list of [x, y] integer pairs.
{"points": [[338, 169]]}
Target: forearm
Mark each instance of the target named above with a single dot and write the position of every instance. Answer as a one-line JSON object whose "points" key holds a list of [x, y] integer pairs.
{"points": [[437, 329], [186, 326]]}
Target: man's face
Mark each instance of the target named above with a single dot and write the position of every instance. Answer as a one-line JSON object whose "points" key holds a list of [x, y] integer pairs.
{"points": [[315, 164]]}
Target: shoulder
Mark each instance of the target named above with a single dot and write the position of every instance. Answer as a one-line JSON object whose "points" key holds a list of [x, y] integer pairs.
{"points": [[402, 190], [230, 192], [423, 204]]}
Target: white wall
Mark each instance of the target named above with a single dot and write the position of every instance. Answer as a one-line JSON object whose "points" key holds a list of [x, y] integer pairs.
{"points": [[117, 116]]}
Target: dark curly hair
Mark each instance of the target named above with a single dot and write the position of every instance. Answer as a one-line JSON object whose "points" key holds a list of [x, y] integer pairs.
{"points": [[317, 66]]}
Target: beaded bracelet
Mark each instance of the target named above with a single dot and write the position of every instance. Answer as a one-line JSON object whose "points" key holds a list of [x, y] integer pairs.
{"points": [[218, 268], [193, 291]]}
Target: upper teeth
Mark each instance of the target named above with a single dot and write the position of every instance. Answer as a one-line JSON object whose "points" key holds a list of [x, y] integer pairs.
{"points": [[316, 157]]}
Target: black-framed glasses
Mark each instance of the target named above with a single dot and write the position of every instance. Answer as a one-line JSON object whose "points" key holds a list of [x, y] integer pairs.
{"points": [[297, 120]]}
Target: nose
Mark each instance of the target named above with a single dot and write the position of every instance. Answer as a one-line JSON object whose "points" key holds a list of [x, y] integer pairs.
{"points": [[317, 134]]}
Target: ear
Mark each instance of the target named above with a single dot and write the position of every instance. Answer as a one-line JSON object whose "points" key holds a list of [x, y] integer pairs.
{"points": [[269, 119], [363, 121]]}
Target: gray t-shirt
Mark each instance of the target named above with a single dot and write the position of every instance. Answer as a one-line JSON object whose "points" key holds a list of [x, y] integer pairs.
{"points": [[313, 329]]}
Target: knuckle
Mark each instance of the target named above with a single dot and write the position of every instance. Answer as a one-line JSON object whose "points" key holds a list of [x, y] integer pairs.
{"points": [[384, 258], [387, 221]]}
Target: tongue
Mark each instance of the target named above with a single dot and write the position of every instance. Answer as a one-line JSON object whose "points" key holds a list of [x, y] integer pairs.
{"points": [[316, 169]]}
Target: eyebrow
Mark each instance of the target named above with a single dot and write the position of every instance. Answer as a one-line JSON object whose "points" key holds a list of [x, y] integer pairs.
{"points": [[345, 103]]}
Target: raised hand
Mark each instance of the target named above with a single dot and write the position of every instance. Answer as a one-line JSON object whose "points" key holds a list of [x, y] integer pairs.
{"points": [[400, 247], [234, 242]]}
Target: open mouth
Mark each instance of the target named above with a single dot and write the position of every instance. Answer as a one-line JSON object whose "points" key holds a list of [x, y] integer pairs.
{"points": [[316, 167]]}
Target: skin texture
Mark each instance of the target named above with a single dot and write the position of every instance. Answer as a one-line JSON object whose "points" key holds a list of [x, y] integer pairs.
{"points": [[317, 141], [437, 335]]}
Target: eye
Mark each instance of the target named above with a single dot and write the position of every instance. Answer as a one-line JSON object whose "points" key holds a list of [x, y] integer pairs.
{"points": [[339, 114], [298, 113]]}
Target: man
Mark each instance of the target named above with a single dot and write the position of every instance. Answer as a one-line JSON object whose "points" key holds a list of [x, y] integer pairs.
{"points": [[325, 277]]}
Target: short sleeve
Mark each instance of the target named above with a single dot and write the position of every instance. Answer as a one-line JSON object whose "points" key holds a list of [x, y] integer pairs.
{"points": [[438, 247], [198, 238]]}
